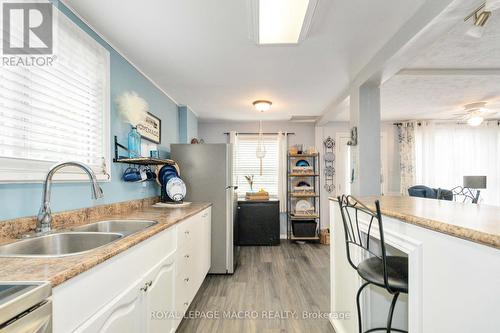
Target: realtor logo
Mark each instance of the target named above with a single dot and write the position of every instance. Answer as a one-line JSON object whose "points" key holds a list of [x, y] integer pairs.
{"points": [[27, 28]]}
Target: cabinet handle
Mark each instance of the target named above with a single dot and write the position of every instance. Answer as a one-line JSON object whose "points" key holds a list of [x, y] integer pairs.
{"points": [[186, 279], [186, 232], [186, 256], [186, 303], [205, 215]]}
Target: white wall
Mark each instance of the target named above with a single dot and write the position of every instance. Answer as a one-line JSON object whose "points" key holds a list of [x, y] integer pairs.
{"points": [[331, 129], [309, 135], [213, 132], [321, 133]]}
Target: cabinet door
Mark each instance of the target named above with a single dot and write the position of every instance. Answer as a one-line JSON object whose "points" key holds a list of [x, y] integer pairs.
{"points": [[160, 301], [123, 314]]}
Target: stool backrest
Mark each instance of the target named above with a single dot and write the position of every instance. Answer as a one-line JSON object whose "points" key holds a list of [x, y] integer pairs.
{"points": [[351, 209]]}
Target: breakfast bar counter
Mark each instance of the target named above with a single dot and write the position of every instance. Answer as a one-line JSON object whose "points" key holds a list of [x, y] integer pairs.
{"points": [[453, 252]]}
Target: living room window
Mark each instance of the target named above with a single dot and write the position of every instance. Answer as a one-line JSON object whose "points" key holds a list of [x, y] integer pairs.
{"points": [[56, 113], [445, 152]]}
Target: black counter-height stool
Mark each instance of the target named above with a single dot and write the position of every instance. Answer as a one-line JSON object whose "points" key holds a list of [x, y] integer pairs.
{"points": [[388, 272]]}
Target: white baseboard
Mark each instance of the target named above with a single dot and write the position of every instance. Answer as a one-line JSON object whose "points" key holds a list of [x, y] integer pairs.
{"points": [[336, 327]]}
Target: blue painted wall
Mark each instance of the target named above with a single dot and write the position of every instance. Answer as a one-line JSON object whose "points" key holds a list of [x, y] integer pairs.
{"points": [[17, 200], [188, 124]]}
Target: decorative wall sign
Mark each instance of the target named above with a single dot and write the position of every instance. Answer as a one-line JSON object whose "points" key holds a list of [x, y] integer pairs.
{"points": [[150, 129], [329, 156]]}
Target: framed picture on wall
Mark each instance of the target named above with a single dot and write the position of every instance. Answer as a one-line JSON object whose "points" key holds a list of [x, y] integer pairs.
{"points": [[150, 128]]}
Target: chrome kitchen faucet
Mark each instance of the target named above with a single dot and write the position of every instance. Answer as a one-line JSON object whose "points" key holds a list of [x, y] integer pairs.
{"points": [[44, 219]]}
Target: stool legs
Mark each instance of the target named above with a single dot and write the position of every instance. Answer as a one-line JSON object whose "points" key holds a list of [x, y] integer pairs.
{"points": [[387, 329], [391, 312], [359, 306]]}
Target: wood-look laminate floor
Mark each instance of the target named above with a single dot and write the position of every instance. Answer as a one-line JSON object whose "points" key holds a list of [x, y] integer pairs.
{"points": [[274, 281]]}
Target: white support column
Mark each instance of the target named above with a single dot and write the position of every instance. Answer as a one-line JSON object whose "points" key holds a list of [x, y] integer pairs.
{"points": [[365, 156]]}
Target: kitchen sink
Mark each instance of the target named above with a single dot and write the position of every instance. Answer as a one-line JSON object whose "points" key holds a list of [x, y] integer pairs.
{"points": [[125, 227], [58, 244]]}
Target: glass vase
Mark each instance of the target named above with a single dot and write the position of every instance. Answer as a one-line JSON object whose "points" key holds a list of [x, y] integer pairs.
{"points": [[134, 143]]}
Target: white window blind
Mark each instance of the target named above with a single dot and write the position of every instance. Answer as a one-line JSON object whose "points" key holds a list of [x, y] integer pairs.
{"points": [[56, 113], [246, 163]]}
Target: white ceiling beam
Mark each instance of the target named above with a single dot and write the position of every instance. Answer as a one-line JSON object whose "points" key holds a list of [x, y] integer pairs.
{"points": [[449, 72], [431, 21]]}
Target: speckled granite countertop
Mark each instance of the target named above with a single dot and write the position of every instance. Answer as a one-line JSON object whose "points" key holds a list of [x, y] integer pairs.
{"points": [[58, 270], [476, 223]]}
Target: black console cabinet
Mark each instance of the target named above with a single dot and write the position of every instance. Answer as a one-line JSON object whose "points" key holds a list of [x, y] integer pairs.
{"points": [[258, 222]]}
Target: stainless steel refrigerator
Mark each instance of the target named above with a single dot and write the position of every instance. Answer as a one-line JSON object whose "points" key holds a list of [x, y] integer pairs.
{"points": [[208, 173]]}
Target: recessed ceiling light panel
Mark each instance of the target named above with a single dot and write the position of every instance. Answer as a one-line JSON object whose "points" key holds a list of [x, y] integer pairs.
{"points": [[280, 21]]}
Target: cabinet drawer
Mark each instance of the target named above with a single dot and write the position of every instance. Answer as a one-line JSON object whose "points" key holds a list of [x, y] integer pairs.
{"points": [[206, 214], [185, 292], [185, 261], [190, 232], [186, 231]]}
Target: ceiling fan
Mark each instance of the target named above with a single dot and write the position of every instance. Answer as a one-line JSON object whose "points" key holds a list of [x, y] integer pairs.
{"points": [[475, 113]]}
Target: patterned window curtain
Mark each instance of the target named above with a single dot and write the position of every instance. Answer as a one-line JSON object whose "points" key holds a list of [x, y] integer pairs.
{"points": [[406, 137]]}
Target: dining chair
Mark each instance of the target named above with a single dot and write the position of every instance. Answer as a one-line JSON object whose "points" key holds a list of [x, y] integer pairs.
{"points": [[465, 195]]}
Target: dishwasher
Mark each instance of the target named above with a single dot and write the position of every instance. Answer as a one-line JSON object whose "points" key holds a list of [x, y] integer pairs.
{"points": [[25, 307]]}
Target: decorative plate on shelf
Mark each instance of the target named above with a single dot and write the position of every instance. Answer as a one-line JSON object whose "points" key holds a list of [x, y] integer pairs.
{"points": [[302, 163], [303, 186], [302, 206], [176, 189]]}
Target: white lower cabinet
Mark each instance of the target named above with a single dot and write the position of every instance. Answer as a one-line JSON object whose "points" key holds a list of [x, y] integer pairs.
{"points": [[123, 314], [139, 290], [143, 307], [160, 299]]}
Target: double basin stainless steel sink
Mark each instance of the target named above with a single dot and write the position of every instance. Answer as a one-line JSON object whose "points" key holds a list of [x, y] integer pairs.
{"points": [[81, 239]]}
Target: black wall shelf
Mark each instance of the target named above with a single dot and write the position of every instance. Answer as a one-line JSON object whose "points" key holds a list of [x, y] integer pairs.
{"points": [[138, 160]]}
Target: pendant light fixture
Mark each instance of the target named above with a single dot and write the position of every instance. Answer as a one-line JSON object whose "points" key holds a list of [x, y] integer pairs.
{"points": [[260, 152]]}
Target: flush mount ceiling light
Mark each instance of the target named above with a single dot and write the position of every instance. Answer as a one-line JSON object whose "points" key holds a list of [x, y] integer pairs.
{"points": [[480, 17], [280, 21], [475, 113], [262, 105], [475, 120]]}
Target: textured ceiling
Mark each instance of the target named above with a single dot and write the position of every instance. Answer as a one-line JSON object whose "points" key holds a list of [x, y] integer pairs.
{"points": [[458, 50], [431, 96], [436, 97], [199, 51]]}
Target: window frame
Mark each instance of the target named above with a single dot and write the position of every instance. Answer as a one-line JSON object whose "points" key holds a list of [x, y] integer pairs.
{"points": [[249, 137]]}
